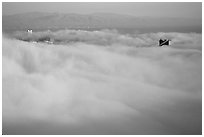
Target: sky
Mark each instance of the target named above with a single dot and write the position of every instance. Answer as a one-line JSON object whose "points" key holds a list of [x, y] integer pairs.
{"points": [[150, 9]]}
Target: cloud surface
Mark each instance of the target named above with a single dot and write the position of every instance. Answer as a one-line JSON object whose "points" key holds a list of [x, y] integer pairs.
{"points": [[102, 82]]}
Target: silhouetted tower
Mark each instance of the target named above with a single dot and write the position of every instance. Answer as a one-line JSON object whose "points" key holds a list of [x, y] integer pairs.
{"points": [[163, 42]]}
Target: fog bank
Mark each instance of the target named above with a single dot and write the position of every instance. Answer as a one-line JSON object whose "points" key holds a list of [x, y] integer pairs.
{"points": [[102, 82]]}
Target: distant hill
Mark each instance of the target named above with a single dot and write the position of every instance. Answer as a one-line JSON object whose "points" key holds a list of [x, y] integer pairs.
{"points": [[43, 21]]}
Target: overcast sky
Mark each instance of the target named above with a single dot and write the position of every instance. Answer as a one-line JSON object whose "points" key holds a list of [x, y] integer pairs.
{"points": [[154, 9]]}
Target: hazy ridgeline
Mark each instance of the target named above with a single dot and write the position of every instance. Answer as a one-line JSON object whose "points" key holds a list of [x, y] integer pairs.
{"points": [[123, 23], [101, 82]]}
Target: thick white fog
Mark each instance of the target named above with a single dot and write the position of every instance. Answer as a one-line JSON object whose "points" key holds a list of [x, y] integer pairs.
{"points": [[102, 82]]}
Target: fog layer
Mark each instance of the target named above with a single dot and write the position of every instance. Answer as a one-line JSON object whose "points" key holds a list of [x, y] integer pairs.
{"points": [[102, 82]]}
